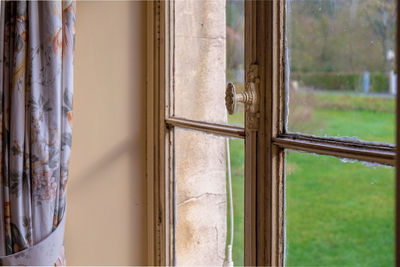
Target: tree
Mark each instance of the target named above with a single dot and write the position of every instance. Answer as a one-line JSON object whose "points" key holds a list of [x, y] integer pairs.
{"points": [[234, 38], [340, 35], [381, 17]]}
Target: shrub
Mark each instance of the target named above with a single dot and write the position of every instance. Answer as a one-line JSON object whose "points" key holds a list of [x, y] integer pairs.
{"points": [[348, 102], [329, 80], [379, 82], [337, 81]]}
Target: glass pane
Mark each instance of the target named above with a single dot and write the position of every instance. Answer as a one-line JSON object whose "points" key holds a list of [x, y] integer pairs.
{"points": [[341, 62], [338, 213], [203, 227], [208, 53]]}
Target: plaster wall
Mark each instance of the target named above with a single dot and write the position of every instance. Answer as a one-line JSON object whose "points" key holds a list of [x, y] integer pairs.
{"points": [[106, 217]]}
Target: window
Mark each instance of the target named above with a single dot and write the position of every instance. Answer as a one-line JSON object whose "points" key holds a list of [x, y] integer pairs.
{"points": [[300, 60]]}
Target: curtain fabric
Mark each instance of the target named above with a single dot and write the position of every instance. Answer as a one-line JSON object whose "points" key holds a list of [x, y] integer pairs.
{"points": [[36, 89]]}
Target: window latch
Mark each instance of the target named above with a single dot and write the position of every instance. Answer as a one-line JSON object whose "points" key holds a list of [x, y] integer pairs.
{"points": [[250, 97]]}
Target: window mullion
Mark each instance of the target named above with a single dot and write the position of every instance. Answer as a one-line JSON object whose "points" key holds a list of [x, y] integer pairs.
{"points": [[339, 149], [206, 127]]}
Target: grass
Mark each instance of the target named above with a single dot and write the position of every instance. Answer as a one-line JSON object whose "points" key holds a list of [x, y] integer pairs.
{"points": [[237, 163], [351, 101], [338, 214], [365, 125], [364, 117]]}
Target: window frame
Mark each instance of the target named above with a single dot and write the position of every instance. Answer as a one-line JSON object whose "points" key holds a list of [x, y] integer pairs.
{"points": [[264, 186]]}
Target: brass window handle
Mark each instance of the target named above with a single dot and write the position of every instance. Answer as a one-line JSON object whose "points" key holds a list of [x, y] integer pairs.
{"points": [[248, 97]]}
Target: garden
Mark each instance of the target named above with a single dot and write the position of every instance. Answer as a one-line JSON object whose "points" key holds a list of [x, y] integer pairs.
{"points": [[341, 78], [338, 212]]}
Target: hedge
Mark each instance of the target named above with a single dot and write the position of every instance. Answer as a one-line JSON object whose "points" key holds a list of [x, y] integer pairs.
{"points": [[347, 102], [379, 82]]}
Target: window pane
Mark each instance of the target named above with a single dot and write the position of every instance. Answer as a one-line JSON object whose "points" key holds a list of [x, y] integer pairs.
{"points": [[208, 53], [338, 213], [341, 62], [202, 198]]}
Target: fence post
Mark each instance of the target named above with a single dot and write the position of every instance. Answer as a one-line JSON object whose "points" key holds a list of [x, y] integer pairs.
{"points": [[392, 82], [366, 82]]}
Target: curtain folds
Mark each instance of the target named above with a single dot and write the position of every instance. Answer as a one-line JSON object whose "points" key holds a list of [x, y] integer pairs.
{"points": [[36, 89]]}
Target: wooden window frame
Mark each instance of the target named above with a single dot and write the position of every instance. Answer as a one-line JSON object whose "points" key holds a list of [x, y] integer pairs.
{"points": [[264, 186]]}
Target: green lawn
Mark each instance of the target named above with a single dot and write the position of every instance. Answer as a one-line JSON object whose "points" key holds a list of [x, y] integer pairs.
{"points": [[338, 214], [237, 163], [365, 125]]}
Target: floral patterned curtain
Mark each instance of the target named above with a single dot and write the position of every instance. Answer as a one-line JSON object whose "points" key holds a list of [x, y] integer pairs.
{"points": [[36, 88]]}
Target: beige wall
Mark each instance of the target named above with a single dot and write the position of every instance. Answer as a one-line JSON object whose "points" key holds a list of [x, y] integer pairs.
{"points": [[106, 221]]}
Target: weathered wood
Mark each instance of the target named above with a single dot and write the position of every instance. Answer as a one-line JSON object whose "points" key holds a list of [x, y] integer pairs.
{"points": [[397, 183], [212, 128], [352, 150], [264, 148]]}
